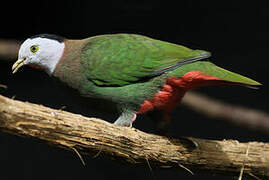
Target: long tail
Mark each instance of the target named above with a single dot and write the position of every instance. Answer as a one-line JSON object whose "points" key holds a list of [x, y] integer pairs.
{"points": [[203, 73]]}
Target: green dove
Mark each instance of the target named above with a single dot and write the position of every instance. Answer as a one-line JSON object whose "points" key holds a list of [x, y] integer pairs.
{"points": [[134, 72]]}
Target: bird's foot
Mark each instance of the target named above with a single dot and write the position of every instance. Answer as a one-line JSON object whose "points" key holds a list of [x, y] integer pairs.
{"points": [[126, 119]]}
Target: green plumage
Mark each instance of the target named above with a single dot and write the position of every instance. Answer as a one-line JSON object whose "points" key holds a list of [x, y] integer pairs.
{"points": [[122, 59], [128, 69]]}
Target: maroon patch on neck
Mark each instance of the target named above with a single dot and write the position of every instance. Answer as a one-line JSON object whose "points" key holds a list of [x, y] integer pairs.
{"points": [[36, 67]]}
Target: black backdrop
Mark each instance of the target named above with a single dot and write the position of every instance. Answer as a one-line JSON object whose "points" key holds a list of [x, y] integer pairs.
{"points": [[236, 34]]}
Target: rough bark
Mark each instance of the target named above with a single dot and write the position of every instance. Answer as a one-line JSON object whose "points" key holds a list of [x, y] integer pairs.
{"points": [[91, 136]]}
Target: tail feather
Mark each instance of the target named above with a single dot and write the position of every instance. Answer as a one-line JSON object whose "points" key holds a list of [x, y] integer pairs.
{"points": [[232, 77], [210, 69]]}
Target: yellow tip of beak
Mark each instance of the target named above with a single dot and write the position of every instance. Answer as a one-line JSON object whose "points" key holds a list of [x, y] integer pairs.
{"points": [[19, 63]]}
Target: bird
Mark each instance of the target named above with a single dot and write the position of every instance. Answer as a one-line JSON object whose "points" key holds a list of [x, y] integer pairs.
{"points": [[137, 73]]}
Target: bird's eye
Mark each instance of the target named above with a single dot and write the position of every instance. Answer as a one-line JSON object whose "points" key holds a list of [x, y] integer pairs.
{"points": [[34, 48]]}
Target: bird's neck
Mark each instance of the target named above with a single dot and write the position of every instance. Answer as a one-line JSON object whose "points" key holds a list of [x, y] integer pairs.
{"points": [[68, 69]]}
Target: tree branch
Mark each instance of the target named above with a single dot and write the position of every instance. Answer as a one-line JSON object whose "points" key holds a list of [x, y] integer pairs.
{"points": [[90, 135], [250, 118], [9, 49]]}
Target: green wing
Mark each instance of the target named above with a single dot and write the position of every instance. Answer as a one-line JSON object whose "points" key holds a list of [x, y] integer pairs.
{"points": [[122, 59]]}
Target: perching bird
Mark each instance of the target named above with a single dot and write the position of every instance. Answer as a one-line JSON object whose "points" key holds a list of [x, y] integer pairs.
{"points": [[135, 72]]}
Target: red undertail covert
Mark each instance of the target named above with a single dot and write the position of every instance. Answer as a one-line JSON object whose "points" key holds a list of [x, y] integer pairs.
{"points": [[174, 89]]}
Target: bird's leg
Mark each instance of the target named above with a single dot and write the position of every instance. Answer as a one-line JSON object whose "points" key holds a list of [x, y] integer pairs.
{"points": [[126, 118]]}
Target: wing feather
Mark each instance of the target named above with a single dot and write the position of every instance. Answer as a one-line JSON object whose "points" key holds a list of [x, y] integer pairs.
{"points": [[122, 59]]}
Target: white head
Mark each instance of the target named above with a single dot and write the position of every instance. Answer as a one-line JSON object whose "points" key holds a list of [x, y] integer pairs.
{"points": [[41, 51]]}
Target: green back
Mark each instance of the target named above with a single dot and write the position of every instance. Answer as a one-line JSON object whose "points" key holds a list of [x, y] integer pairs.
{"points": [[122, 59]]}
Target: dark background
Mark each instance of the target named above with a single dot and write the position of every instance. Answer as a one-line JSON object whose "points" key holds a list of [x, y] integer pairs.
{"points": [[236, 34]]}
